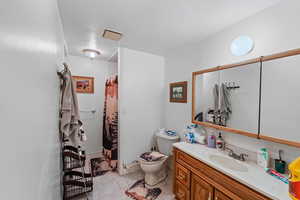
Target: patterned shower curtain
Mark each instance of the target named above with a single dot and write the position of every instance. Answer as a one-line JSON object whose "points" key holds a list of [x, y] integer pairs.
{"points": [[110, 122]]}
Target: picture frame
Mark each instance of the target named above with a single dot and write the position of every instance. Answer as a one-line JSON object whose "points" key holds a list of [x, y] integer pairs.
{"points": [[178, 92], [84, 84]]}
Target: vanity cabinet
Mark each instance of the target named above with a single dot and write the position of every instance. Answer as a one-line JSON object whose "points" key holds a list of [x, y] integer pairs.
{"points": [[220, 196], [181, 192], [200, 189], [195, 180]]}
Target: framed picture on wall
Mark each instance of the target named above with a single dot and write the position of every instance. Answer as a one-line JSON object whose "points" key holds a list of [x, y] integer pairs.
{"points": [[84, 84], [178, 92]]}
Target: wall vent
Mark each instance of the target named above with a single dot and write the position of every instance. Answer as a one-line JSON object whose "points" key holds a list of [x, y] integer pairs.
{"points": [[112, 35]]}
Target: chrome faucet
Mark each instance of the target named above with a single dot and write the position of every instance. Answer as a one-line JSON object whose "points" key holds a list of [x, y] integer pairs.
{"points": [[240, 157]]}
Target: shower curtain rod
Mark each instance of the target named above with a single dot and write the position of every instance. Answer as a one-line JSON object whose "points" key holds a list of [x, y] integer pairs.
{"points": [[111, 76]]}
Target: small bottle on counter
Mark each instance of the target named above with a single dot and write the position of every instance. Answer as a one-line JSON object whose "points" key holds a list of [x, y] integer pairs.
{"points": [[220, 142], [211, 141], [263, 158]]}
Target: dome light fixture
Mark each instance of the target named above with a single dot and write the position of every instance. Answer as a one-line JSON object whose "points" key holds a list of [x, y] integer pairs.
{"points": [[242, 45], [91, 53]]}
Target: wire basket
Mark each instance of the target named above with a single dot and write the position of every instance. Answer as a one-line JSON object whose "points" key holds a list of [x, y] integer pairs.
{"points": [[72, 159], [76, 184]]}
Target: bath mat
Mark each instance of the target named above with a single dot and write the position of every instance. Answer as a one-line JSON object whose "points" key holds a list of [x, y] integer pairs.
{"points": [[139, 191], [99, 166]]}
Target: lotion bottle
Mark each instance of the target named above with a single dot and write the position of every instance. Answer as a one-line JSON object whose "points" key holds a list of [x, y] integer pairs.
{"points": [[220, 142]]}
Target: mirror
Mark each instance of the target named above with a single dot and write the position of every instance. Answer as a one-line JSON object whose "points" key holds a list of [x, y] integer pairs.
{"points": [[239, 97], [280, 105], [258, 98], [206, 99], [229, 97]]}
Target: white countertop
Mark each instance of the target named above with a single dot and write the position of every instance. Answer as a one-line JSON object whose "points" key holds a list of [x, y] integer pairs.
{"points": [[255, 178]]}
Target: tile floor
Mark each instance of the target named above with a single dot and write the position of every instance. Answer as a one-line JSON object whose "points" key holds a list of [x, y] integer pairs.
{"points": [[112, 186]]}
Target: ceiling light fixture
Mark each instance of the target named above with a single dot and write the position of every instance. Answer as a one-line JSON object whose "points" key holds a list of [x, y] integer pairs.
{"points": [[242, 46], [91, 53]]}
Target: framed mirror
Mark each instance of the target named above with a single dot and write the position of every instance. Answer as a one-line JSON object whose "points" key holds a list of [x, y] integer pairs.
{"points": [[239, 97], [227, 98], [280, 100], [257, 98], [206, 92]]}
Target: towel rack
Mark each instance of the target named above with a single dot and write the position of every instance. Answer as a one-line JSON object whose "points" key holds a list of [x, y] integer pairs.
{"points": [[88, 111], [231, 85]]}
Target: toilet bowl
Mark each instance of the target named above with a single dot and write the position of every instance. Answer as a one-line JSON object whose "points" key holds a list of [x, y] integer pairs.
{"points": [[155, 171]]}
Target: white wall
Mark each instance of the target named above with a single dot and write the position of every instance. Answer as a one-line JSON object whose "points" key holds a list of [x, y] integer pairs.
{"points": [[31, 40], [141, 84], [92, 123], [113, 68], [274, 30]]}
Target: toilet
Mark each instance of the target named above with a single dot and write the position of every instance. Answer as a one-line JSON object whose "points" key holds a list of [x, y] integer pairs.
{"points": [[156, 171]]}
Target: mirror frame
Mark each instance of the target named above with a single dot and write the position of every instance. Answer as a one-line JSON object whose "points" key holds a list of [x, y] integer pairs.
{"points": [[243, 64]]}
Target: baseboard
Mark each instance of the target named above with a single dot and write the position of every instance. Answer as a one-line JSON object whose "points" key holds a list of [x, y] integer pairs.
{"points": [[129, 168]]}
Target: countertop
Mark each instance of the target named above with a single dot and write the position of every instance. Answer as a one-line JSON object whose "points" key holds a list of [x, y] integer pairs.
{"points": [[255, 178]]}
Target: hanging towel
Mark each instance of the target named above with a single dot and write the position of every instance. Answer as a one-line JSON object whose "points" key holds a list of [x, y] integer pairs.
{"points": [[216, 100], [225, 105], [70, 121]]}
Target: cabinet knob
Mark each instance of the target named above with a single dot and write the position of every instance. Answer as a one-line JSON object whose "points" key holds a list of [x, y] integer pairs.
{"points": [[180, 195]]}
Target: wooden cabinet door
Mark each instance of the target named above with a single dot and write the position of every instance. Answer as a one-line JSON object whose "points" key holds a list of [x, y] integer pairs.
{"points": [[220, 196], [181, 192], [182, 175], [201, 190]]}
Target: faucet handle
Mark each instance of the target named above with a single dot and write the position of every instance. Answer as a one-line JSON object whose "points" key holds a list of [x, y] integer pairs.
{"points": [[230, 151], [243, 156]]}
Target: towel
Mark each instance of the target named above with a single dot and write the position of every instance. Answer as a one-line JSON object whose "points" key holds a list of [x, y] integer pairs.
{"points": [[216, 101], [70, 120], [225, 105]]}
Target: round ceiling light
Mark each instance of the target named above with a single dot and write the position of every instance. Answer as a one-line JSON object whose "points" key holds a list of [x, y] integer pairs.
{"points": [[242, 45], [91, 53]]}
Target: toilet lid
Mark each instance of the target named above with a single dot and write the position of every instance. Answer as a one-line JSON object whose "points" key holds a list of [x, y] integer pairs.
{"points": [[168, 137], [152, 156]]}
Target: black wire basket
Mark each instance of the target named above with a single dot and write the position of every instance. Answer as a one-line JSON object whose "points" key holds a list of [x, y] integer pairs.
{"points": [[72, 159], [76, 184]]}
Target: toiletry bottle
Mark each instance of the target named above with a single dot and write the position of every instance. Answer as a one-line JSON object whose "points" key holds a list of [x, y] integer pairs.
{"points": [[211, 141], [263, 158], [294, 180], [220, 142]]}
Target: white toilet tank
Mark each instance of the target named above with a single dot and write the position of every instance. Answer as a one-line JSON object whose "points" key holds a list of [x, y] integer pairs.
{"points": [[165, 142]]}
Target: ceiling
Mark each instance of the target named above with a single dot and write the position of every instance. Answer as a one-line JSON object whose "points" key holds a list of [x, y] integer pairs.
{"points": [[148, 25]]}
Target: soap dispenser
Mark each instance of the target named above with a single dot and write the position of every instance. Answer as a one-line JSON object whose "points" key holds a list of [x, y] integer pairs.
{"points": [[220, 142]]}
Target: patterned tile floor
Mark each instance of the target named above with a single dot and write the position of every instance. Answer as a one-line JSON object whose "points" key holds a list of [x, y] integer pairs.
{"points": [[112, 186]]}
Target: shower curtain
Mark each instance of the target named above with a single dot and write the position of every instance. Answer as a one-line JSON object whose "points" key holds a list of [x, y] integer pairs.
{"points": [[110, 122]]}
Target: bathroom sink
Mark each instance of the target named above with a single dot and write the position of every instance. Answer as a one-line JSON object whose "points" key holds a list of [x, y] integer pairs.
{"points": [[228, 163]]}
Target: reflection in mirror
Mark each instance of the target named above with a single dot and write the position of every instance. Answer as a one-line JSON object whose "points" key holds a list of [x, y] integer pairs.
{"points": [[239, 97], [206, 97], [280, 106]]}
